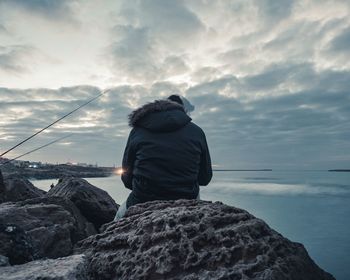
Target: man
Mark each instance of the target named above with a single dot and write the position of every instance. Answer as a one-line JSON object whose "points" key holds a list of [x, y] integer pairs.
{"points": [[166, 155]]}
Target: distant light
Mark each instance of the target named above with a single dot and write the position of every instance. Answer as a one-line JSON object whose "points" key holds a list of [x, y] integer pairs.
{"points": [[119, 171]]}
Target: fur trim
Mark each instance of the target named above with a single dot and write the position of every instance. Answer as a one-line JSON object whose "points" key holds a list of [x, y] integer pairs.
{"points": [[156, 106]]}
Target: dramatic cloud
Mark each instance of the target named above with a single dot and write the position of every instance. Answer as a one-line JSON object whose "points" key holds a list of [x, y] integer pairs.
{"points": [[341, 42], [275, 10], [13, 58], [2, 29], [51, 9], [269, 79], [152, 39]]}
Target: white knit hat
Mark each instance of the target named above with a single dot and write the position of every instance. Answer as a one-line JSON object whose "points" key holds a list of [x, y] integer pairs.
{"points": [[187, 105]]}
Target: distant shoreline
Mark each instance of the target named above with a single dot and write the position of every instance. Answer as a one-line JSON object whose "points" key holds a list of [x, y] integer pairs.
{"points": [[56, 171], [339, 170], [242, 169]]}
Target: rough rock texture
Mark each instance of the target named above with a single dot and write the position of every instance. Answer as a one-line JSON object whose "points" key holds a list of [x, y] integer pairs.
{"points": [[4, 261], [2, 185], [95, 204], [2, 188], [18, 190], [68, 268], [41, 227], [15, 244], [190, 239]]}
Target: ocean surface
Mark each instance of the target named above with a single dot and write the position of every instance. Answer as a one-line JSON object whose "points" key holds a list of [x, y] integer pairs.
{"points": [[310, 207]]}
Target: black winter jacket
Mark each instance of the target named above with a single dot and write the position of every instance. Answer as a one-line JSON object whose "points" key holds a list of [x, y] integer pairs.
{"points": [[166, 155]]}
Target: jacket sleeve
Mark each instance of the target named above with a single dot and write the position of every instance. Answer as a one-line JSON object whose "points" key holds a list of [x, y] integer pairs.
{"points": [[128, 162], [205, 170]]}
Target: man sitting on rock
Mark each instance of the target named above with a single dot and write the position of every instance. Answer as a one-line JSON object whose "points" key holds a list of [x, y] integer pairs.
{"points": [[166, 155]]}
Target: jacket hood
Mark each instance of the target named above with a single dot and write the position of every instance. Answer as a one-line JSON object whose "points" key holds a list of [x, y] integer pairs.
{"points": [[160, 115]]}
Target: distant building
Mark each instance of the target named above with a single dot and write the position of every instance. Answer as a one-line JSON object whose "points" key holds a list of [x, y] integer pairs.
{"points": [[35, 164], [83, 164], [21, 164]]}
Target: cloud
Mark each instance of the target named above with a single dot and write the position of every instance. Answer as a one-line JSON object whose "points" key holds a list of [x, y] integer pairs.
{"points": [[306, 125], [275, 10], [341, 42], [174, 65], [152, 38], [100, 129], [271, 78], [13, 58], [132, 53], [135, 56], [3, 29], [50, 9], [171, 22]]}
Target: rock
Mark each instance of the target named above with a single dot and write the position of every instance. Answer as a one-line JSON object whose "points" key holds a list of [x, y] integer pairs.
{"points": [[2, 188], [4, 261], [2, 185], [68, 268], [190, 239], [95, 204], [18, 190], [41, 227], [15, 244]]}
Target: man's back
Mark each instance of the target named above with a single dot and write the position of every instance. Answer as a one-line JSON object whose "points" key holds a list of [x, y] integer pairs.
{"points": [[166, 156]]}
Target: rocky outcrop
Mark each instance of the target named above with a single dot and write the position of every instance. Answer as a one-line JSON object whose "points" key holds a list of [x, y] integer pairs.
{"points": [[41, 227], [2, 185], [4, 261], [18, 190], [95, 204], [15, 244], [68, 268], [2, 188], [183, 239], [190, 239]]}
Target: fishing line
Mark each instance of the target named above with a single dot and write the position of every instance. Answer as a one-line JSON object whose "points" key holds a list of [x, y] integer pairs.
{"points": [[46, 127], [36, 149]]}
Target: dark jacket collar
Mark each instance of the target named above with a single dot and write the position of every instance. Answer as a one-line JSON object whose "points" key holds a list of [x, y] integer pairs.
{"points": [[160, 115], [156, 106]]}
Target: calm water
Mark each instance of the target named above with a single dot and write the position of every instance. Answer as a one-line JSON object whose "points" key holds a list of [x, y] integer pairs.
{"points": [[311, 207]]}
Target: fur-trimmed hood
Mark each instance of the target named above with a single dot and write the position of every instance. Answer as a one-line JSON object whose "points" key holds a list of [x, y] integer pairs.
{"points": [[160, 115]]}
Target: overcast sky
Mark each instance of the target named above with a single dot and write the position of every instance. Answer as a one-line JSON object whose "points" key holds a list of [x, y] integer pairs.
{"points": [[270, 80]]}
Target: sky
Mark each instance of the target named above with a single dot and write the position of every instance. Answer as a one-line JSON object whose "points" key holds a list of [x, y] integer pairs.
{"points": [[270, 80]]}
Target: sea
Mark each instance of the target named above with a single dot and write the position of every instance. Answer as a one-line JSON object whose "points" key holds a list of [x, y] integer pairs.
{"points": [[310, 207]]}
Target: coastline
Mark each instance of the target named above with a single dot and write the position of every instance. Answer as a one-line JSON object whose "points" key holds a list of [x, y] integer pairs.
{"points": [[57, 171]]}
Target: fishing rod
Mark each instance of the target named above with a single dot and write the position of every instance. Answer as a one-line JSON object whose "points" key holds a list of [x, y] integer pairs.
{"points": [[61, 118], [36, 149]]}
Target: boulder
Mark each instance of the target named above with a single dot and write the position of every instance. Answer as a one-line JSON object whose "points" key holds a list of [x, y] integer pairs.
{"points": [[15, 244], [18, 190], [68, 268], [95, 204], [2, 188], [40, 227], [4, 261], [2, 184], [190, 239]]}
